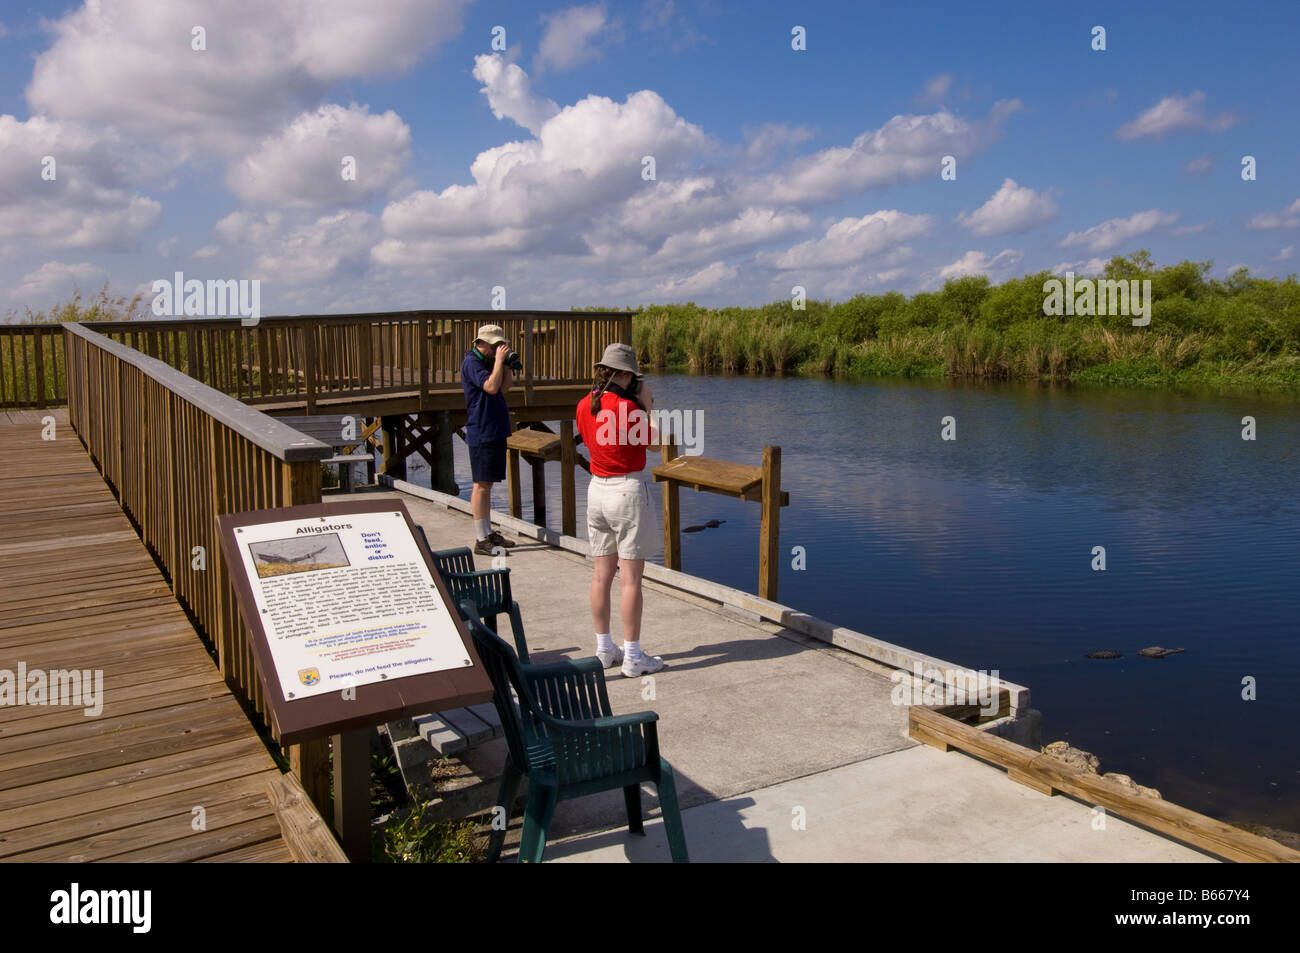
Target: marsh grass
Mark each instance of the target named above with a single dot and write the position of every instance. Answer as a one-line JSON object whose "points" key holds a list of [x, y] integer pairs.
{"points": [[18, 359], [1243, 330]]}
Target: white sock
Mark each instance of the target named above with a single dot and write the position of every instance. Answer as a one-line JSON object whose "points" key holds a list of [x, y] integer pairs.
{"points": [[632, 650], [603, 642], [483, 528]]}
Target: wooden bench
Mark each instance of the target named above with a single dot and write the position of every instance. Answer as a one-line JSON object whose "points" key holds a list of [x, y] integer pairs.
{"points": [[739, 480], [328, 429], [448, 732], [537, 447]]}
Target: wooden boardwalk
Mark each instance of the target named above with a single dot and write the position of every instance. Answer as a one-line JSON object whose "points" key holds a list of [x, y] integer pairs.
{"points": [[79, 591]]}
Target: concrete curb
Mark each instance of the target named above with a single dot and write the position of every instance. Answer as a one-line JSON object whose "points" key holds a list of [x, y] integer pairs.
{"points": [[896, 656]]}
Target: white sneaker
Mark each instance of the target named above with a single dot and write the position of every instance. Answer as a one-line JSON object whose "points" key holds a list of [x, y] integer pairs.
{"points": [[611, 658], [645, 665]]}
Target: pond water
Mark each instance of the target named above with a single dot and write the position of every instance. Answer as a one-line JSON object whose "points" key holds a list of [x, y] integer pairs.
{"points": [[980, 550]]}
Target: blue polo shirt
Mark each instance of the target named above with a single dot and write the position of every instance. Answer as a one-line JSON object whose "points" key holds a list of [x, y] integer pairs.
{"points": [[489, 417]]}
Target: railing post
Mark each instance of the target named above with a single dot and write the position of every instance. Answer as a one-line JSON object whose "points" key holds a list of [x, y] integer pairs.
{"points": [[528, 360], [672, 513], [422, 342], [769, 535], [309, 372], [40, 367]]}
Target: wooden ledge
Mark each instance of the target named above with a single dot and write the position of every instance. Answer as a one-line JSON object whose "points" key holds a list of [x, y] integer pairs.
{"points": [[1050, 775], [306, 834], [537, 443], [740, 480]]}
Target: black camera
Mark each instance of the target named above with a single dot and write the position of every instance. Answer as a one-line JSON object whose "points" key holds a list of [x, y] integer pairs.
{"points": [[512, 358]]}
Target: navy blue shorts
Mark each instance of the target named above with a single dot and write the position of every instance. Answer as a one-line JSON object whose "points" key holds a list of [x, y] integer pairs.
{"points": [[487, 462]]}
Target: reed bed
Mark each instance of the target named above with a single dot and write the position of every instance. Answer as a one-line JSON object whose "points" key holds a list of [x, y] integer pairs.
{"points": [[1243, 330]]}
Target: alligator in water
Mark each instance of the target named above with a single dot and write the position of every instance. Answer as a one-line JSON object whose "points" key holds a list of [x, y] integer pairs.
{"points": [[711, 524], [1156, 651]]}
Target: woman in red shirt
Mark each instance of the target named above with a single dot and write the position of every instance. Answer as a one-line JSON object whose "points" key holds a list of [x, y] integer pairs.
{"points": [[614, 422]]}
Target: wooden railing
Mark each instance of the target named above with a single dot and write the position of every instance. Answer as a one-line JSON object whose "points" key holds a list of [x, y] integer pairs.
{"points": [[178, 454], [32, 368], [307, 358]]}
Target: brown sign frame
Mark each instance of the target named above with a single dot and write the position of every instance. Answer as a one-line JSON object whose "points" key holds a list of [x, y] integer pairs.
{"points": [[317, 716]]}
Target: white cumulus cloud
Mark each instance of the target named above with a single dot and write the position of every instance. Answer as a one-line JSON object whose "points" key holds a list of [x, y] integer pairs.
{"points": [[1114, 232], [1288, 217], [1175, 114], [55, 276], [303, 165], [510, 93], [131, 64], [851, 239], [979, 263], [1012, 208], [83, 201], [573, 37]]}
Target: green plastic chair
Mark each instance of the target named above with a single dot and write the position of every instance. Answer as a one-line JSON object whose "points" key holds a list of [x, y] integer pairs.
{"points": [[569, 756], [489, 589]]}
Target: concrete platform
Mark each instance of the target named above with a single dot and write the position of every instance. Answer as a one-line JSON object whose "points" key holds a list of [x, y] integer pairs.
{"points": [[914, 806], [757, 719]]}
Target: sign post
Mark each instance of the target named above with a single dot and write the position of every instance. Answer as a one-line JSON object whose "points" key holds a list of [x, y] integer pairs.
{"points": [[351, 625]]}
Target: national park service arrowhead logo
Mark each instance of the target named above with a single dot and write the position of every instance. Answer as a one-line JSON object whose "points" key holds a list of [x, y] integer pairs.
{"points": [[309, 676]]}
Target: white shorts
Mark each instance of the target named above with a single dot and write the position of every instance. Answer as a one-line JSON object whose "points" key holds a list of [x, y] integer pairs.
{"points": [[619, 517]]}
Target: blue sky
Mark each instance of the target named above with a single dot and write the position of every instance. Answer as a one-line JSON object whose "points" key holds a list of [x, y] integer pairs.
{"points": [[523, 168]]}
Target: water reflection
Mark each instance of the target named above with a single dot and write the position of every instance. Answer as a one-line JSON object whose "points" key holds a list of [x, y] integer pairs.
{"points": [[979, 550]]}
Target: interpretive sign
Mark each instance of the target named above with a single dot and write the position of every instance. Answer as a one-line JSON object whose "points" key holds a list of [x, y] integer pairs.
{"points": [[351, 624]]}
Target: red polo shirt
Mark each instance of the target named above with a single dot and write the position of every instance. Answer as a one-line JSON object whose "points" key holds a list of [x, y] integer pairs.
{"points": [[616, 437]]}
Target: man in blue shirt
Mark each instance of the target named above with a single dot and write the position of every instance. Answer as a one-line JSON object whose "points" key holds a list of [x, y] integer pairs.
{"points": [[486, 377]]}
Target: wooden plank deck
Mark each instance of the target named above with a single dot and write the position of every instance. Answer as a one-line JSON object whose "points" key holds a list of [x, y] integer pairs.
{"points": [[78, 590]]}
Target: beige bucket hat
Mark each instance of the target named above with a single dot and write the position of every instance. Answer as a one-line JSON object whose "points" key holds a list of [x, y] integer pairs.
{"points": [[620, 357], [492, 334]]}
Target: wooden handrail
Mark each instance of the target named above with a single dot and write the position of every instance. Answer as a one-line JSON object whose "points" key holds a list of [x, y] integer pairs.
{"points": [[32, 366], [178, 454], [410, 353]]}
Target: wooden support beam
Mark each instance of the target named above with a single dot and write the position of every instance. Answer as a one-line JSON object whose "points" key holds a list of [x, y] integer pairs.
{"points": [[443, 477], [352, 793], [539, 491], [394, 457], [310, 762], [512, 482], [568, 493], [672, 512], [769, 556]]}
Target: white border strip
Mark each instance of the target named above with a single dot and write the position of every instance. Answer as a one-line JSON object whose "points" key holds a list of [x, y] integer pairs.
{"points": [[847, 639]]}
